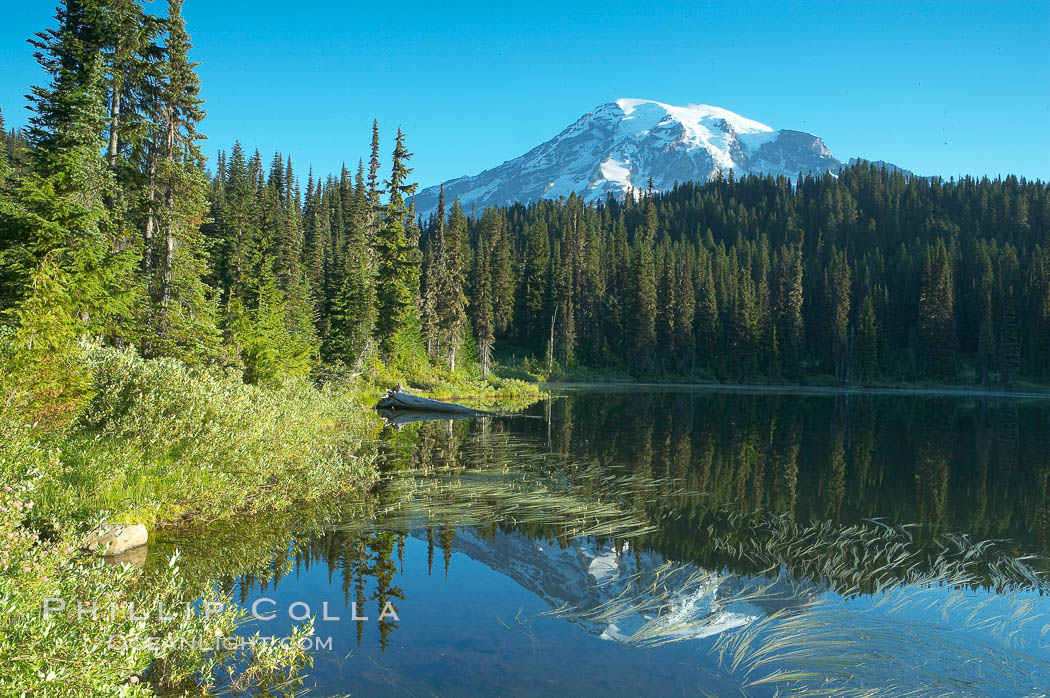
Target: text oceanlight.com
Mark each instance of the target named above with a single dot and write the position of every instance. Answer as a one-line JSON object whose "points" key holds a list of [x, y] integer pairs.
{"points": [[229, 643]]}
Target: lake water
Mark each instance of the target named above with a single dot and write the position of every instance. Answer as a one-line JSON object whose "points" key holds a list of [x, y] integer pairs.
{"points": [[637, 541]]}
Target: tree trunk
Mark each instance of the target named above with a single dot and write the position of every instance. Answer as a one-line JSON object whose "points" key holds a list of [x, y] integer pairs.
{"points": [[169, 227], [151, 224], [114, 124], [484, 352], [550, 351]]}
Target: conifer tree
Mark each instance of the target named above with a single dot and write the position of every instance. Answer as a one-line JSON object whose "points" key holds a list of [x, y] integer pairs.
{"points": [[743, 329], [563, 318], [1042, 349], [450, 301], [8, 278], [481, 306], [665, 310], [985, 350], [790, 295], [839, 285], [937, 312], [42, 371], [684, 313], [185, 320], [641, 321], [707, 329], [58, 210], [271, 353], [374, 217], [534, 285], [494, 226], [316, 240], [236, 227], [867, 342], [1009, 340], [431, 271], [397, 280]]}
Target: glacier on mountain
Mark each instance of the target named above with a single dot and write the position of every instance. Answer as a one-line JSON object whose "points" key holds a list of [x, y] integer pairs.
{"points": [[619, 146]]}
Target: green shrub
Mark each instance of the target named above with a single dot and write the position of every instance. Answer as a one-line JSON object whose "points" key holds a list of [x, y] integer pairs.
{"points": [[106, 652], [161, 441]]}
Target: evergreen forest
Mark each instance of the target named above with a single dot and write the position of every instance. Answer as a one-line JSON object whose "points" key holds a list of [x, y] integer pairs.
{"points": [[114, 225]]}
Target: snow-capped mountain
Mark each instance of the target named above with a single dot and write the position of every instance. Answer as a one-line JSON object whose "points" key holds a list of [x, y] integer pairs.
{"points": [[620, 145]]}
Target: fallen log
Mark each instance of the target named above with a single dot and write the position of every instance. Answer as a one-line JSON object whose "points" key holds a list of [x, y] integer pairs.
{"points": [[398, 398]]}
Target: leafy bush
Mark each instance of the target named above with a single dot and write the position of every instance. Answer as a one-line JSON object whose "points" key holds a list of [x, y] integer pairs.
{"points": [[161, 440], [88, 642]]}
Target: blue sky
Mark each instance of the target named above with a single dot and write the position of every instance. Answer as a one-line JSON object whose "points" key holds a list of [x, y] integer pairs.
{"points": [[943, 88]]}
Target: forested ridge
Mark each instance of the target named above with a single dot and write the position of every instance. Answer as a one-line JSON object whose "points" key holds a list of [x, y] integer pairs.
{"points": [[112, 227], [868, 275]]}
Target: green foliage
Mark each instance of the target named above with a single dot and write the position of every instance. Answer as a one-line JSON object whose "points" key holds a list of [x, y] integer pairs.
{"points": [[162, 440], [182, 318], [482, 304], [353, 303], [839, 289], [271, 353], [406, 349], [58, 209], [534, 283], [111, 235], [446, 284], [779, 273], [101, 650], [42, 367], [640, 329]]}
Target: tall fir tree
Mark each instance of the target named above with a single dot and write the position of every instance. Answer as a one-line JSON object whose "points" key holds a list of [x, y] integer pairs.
{"points": [[481, 305], [684, 314], [839, 293], [937, 325], [374, 191], [450, 301], [432, 272], [641, 308], [58, 206], [867, 343], [535, 278], [397, 280], [494, 227], [184, 318]]}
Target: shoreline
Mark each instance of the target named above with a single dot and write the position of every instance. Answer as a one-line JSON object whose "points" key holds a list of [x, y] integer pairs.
{"points": [[794, 389]]}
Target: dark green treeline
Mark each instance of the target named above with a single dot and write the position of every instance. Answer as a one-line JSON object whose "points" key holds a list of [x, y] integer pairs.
{"points": [[870, 275]]}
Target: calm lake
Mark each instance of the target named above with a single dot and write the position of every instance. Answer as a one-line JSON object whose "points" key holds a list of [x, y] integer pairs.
{"points": [[646, 541]]}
